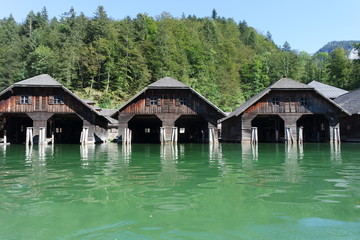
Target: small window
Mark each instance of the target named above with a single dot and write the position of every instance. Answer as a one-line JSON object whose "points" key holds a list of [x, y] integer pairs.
{"points": [[182, 130], [24, 99], [182, 101], [147, 130], [58, 100], [154, 101], [275, 101], [304, 101]]}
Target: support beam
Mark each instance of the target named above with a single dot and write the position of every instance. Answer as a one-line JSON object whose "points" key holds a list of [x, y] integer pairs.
{"points": [[123, 124], [290, 125], [39, 126]]}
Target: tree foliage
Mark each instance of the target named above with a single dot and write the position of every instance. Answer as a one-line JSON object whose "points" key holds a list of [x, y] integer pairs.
{"points": [[109, 60]]}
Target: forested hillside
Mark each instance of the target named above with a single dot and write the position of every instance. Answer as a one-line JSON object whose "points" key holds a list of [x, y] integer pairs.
{"points": [[109, 60]]}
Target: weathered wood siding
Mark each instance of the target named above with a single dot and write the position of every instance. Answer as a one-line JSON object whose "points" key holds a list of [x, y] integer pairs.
{"points": [[40, 100], [169, 101], [290, 102]]}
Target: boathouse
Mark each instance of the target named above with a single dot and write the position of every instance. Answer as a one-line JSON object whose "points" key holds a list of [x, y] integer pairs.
{"points": [[285, 111], [350, 125], [168, 111], [40, 109]]}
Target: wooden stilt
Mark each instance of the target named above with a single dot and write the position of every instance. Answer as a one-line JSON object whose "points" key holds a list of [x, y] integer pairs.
{"points": [[301, 134], [254, 135]]}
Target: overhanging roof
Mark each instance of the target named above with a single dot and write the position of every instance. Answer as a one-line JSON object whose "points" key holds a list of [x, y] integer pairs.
{"points": [[350, 101], [282, 84], [45, 80], [167, 83], [327, 90]]}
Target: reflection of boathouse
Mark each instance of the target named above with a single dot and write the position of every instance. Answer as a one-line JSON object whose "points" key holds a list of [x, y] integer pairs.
{"points": [[49, 110], [285, 111], [168, 111]]}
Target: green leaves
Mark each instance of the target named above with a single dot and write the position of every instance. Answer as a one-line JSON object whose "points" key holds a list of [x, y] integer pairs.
{"points": [[111, 60]]}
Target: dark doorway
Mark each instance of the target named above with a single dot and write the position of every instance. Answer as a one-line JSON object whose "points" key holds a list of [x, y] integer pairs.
{"points": [[145, 129], [315, 128], [192, 129], [15, 126], [270, 128], [65, 127]]}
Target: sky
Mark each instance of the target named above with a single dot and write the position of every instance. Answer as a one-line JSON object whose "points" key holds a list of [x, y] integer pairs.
{"points": [[307, 25]]}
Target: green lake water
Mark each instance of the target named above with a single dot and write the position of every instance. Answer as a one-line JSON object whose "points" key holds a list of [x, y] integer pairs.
{"points": [[188, 191]]}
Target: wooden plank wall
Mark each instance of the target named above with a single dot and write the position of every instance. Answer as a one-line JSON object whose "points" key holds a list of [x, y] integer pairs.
{"points": [[40, 101], [169, 103], [290, 102]]}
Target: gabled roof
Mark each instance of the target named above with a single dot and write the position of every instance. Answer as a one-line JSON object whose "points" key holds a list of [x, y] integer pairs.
{"points": [[282, 84], [288, 83], [45, 80], [167, 83], [350, 101], [327, 90]]}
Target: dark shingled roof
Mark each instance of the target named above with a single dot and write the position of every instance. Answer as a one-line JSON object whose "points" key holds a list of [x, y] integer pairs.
{"points": [[45, 80], [167, 83], [288, 83], [282, 84], [41, 80], [350, 101], [327, 90]]}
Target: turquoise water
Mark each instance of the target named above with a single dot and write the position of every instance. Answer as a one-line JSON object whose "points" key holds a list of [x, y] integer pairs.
{"points": [[226, 191]]}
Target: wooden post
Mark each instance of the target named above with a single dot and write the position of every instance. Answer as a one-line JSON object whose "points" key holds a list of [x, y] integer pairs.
{"points": [[84, 135], [127, 136], [5, 137], [288, 136], [301, 134], [254, 134], [336, 134], [42, 135], [211, 135], [29, 136]]}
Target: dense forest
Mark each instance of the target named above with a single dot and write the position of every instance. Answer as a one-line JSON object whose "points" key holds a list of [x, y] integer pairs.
{"points": [[109, 60]]}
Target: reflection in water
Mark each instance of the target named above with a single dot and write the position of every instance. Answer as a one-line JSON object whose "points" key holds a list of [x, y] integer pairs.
{"points": [[168, 153], [293, 153], [249, 153], [335, 152], [126, 152], [216, 157], [87, 153]]}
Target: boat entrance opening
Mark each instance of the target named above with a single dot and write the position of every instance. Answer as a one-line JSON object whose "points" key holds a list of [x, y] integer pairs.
{"points": [[315, 128], [15, 126], [145, 128], [65, 127], [270, 128], [192, 129]]}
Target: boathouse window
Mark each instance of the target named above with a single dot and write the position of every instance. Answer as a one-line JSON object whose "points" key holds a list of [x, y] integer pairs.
{"points": [[56, 100], [275, 101], [152, 101], [182, 130], [147, 130], [24, 99], [181, 101], [304, 101]]}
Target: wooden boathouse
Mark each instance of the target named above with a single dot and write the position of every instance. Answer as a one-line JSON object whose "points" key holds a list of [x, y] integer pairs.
{"points": [[350, 125], [286, 111], [40, 109], [168, 111]]}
